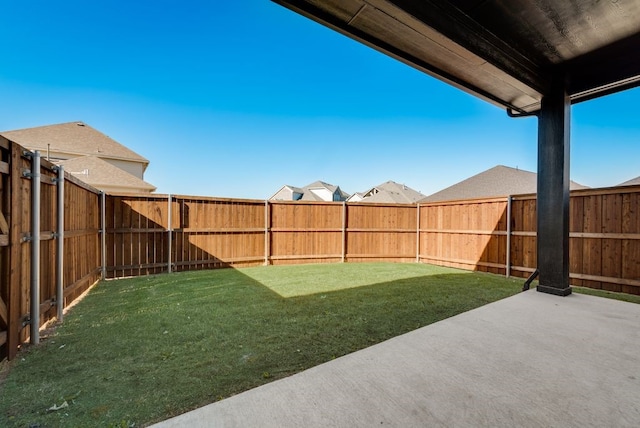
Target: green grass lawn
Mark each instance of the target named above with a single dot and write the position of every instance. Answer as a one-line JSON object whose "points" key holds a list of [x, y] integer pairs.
{"points": [[140, 350]]}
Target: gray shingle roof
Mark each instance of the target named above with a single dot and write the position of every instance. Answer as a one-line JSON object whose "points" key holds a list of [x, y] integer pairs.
{"points": [[632, 182], [497, 181], [73, 137], [392, 192], [309, 195], [101, 174]]}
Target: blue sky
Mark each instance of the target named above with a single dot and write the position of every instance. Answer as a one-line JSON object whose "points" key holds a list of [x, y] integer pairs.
{"points": [[235, 99]]}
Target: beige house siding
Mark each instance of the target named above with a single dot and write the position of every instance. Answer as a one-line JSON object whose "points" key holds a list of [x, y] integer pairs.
{"points": [[134, 168]]}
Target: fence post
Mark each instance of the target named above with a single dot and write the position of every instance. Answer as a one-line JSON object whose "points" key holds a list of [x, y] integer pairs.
{"points": [[34, 337], [508, 261], [103, 233], [344, 230], [169, 233], [60, 246], [266, 232], [418, 234]]}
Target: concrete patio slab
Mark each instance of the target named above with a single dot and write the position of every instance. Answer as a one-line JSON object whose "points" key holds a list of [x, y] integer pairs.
{"points": [[531, 360]]}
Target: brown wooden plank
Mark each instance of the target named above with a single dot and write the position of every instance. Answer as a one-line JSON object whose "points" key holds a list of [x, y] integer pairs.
{"points": [[4, 143], [630, 226], [4, 226], [4, 313], [592, 247], [84, 282], [611, 261], [607, 279], [16, 214]]}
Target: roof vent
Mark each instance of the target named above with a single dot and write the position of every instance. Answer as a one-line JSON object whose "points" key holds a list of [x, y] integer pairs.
{"points": [[80, 124]]}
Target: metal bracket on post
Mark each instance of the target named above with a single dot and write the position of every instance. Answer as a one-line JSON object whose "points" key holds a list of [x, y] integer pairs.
{"points": [[532, 277], [25, 321]]}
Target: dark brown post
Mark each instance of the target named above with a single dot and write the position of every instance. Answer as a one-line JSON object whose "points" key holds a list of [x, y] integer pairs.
{"points": [[553, 190], [18, 211]]}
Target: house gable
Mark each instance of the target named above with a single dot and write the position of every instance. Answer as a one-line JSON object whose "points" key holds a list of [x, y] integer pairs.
{"points": [[68, 140], [104, 176], [316, 191]]}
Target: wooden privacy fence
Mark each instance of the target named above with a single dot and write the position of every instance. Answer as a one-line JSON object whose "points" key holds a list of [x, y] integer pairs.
{"points": [[152, 234], [81, 239], [32, 293]]}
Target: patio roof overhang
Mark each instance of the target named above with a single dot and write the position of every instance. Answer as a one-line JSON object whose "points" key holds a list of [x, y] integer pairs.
{"points": [[505, 52], [531, 57]]}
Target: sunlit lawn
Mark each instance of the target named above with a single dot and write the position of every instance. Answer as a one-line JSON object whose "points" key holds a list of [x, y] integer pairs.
{"points": [[140, 350]]}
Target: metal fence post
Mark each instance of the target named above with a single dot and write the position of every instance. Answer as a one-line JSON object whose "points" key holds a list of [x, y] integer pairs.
{"points": [[35, 249], [418, 234], [103, 237], [60, 246], [344, 230], [266, 232], [170, 234]]}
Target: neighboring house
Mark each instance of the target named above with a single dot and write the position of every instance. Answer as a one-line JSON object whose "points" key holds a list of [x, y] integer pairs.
{"points": [[85, 145], [317, 191], [104, 176], [632, 182], [389, 192], [497, 181]]}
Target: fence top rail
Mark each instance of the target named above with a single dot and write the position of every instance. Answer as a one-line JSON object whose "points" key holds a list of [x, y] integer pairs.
{"points": [[466, 201], [606, 190], [381, 204], [174, 197], [138, 195], [616, 190], [336, 203], [218, 199], [70, 178], [520, 197]]}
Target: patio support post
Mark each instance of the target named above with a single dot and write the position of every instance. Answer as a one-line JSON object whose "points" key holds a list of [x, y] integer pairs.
{"points": [[509, 231], [34, 333], [60, 247], [553, 190]]}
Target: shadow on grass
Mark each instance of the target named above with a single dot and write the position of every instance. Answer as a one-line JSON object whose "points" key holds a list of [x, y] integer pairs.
{"points": [[144, 349], [302, 280]]}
